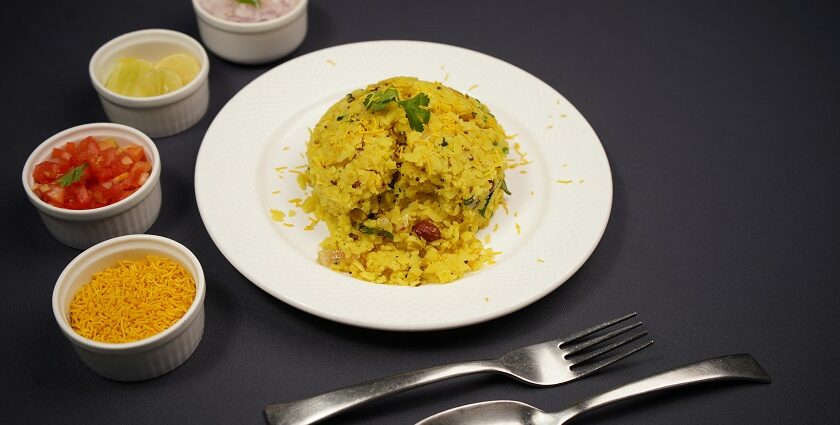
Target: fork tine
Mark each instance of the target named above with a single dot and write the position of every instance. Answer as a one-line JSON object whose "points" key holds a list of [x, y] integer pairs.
{"points": [[600, 338], [596, 328], [592, 367], [580, 358]]}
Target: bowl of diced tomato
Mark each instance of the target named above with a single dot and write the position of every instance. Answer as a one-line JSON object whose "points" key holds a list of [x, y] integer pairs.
{"points": [[94, 182]]}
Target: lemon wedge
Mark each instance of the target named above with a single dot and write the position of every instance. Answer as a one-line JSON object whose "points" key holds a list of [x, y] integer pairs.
{"points": [[157, 82], [186, 66], [127, 72]]}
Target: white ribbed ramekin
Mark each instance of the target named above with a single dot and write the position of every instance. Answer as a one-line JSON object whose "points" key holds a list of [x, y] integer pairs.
{"points": [[157, 116], [253, 43], [147, 358], [83, 228]]}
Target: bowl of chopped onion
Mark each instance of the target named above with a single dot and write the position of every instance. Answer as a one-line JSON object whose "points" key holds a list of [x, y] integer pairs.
{"points": [[251, 31], [132, 306], [94, 182]]}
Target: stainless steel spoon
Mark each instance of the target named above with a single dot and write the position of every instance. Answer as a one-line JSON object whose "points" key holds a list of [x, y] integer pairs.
{"points": [[505, 412]]}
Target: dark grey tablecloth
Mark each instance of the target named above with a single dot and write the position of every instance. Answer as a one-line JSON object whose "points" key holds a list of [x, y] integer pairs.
{"points": [[721, 123]]}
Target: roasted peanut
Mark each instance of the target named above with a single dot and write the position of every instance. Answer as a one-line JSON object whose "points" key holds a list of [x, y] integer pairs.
{"points": [[426, 230]]}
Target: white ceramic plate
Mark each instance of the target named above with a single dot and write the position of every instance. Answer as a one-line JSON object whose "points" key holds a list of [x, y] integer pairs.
{"points": [[560, 204]]}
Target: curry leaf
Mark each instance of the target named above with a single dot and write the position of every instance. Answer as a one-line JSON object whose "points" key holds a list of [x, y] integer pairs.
{"points": [[374, 231], [505, 188]]}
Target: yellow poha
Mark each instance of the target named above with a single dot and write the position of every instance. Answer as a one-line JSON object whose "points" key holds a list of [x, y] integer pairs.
{"points": [[404, 173]]}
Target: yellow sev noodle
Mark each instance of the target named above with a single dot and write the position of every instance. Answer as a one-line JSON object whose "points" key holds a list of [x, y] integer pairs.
{"points": [[132, 300]]}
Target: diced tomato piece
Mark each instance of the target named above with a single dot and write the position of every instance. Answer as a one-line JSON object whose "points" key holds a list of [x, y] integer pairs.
{"points": [[137, 171], [113, 190], [84, 197], [102, 172], [78, 197], [109, 156], [86, 152], [125, 194], [55, 196], [125, 159], [63, 164], [60, 153], [112, 173], [98, 193], [120, 177], [87, 141], [136, 153], [45, 172]]}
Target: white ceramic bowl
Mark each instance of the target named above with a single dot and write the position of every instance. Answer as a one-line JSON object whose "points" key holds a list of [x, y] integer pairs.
{"points": [[83, 228], [253, 43], [147, 358], [157, 116]]}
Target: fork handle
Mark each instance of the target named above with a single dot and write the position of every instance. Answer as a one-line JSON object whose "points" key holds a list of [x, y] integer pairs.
{"points": [[741, 367], [314, 409]]}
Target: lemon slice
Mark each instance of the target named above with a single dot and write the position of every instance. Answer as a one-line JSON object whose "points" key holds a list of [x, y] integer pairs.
{"points": [[157, 82], [184, 65], [125, 75]]}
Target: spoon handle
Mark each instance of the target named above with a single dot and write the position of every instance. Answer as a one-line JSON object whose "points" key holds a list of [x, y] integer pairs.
{"points": [[733, 367], [313, 409]]}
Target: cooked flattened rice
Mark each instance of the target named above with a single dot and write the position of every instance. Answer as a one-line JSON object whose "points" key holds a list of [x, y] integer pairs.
{"points": [[403, 191]]}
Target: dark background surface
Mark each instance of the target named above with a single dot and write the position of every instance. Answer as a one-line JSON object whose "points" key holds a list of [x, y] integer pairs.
{"points": [[721, 123]]}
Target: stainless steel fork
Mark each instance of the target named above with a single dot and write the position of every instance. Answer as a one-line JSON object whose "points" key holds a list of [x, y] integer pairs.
{"points": [[737, 367], [545, 364]]}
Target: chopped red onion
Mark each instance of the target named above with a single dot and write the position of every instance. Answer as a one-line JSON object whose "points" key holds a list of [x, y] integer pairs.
{"points": [[234, 11]]}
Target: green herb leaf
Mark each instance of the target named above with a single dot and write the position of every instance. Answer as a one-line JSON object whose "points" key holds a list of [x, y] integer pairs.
{"points": [[254, 3], [377, 101], [394, 179], [469, 200], [72, 176], [374, 231], [487, 200], [417, 116], [505, 150], [505, 188]]}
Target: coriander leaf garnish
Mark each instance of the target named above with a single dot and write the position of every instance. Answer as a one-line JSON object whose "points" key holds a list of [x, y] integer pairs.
{"points": [[374, 231], [417, 116], [72, 176], [254, 3], [377, 101]]}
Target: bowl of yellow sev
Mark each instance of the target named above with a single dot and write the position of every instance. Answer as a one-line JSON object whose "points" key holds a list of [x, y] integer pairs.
{"points": [[132, 306]]}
